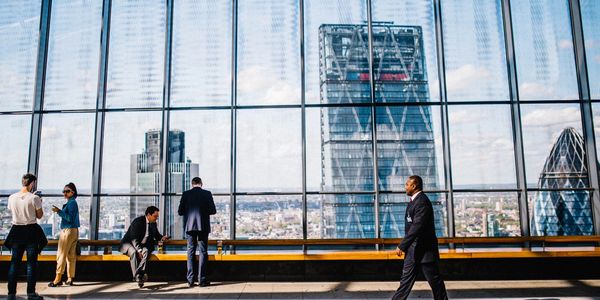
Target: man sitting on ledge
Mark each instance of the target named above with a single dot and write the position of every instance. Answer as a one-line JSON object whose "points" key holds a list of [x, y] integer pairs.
{"points": [[139, 241]]}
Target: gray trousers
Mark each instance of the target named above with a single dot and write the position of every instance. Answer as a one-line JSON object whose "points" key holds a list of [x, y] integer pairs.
{"points": [[138, 266]]}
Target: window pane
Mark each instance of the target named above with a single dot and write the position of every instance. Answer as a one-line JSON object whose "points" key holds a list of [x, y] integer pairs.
{"points": [[66, 152], [409, 142], [268, 52], [14, 130], [481, 141], [590, 15], [544, 50], [392, 209], [201, 62], [269, 217], [200, 141], [131, 152], [269, 151], [73, 55], [137, 52], [19, 33], [316, 14], [219, 223], [474, 50], [50, 222], [117, 213], [408, 70], [554, 146], [339, 149], [341, 216], [5, 218], [555, 213], [486, 214], [596, 118]]}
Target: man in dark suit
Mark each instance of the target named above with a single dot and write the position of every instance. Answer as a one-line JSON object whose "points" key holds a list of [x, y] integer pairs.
{"points": [[419, 244], [139, 242], [196, 206]]}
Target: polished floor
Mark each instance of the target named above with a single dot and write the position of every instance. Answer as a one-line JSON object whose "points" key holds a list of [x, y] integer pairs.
{"points": [[542, 289]]}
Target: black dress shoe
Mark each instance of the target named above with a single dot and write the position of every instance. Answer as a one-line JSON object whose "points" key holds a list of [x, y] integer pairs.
{"points": [[204, 283], [52, 284], [190, 284], [34, 296]]}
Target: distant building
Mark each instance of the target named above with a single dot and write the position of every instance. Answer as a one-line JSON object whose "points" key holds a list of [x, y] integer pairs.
{"points": [[405, 133], [567, 212]]}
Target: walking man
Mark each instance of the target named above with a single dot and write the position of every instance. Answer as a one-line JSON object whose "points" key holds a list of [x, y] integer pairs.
{"points": [[420, 245], [196, 206]]}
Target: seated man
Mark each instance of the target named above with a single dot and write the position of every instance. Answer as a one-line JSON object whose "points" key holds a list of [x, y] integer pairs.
{"points": [[139, 242]]}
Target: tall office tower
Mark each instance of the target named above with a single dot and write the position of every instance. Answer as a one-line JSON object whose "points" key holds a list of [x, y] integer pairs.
{"points": [[558, 212], [145, 170], [405, 134]]}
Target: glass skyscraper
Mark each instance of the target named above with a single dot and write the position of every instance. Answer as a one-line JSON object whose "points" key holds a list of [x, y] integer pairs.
{"points": [[564, 212], [405, 133]]}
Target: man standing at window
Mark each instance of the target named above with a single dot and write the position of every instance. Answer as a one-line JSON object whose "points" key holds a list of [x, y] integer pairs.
{"points": [[196, 206], [25, 235], [419, 244], [139, 241]]}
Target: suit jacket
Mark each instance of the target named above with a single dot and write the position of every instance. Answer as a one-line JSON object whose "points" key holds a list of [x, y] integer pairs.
{"points": [[136, 232], [420, 243], [196, 206]]}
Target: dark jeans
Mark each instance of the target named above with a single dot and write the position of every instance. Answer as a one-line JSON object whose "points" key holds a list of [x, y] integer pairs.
{"points": [[193, 237], [15, 262]]}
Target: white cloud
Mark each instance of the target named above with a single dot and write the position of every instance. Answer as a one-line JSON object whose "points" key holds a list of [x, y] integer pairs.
{"points": [[551, 116], [461, 80], [464, 116], [534, 90], [262, 86]]}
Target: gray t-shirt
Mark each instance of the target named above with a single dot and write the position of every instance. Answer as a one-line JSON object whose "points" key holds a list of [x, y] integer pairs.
{"points": [[23, 207]]}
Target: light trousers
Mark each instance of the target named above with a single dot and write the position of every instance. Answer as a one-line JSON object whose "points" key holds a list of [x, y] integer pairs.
{"points": [[66, 254]]}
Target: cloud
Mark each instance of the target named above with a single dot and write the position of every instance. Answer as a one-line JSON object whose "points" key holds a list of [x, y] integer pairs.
{"points": [[534, 90], [461, 80], [464, 116], [552, 116], [565, 44], [259, 85]]}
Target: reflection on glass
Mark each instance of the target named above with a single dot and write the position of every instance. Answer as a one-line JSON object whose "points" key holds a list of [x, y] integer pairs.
{"points": [[557, 213], [486, 214], [137, 52], [14, 130], [590, 15], [268, 52], [73, 54], [268, 217], [474, 50], [205, 141], [51, 221], [201, 62], [409, 142], [482, 147], [550, 130], [544, 50], [269, 151], [404, 51], [131, 152], [19, 33], [66, 152], [316, 14], [392, 212], [596, 118], [117, 213], [340, 216], [5, 218], [219, 223]]}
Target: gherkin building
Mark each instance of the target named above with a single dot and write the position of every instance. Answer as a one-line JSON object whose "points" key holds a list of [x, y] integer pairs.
{"points": [[563, 212]]}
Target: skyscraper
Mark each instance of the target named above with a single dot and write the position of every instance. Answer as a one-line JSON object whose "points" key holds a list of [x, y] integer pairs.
{"points": [[559, 212], [145, 172], [405, 134]]}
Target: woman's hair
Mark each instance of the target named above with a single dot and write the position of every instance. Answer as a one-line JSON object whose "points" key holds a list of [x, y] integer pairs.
{"points": [[73, 188]]}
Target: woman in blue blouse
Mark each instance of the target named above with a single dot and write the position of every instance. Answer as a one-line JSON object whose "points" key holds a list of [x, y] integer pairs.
{"points": [[69, 234]]}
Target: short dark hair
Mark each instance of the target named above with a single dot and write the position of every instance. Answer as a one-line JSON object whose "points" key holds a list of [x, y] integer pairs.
{"points": [[196, 180], [418, 181], [151, 210], [73, 188], [28, 179]]}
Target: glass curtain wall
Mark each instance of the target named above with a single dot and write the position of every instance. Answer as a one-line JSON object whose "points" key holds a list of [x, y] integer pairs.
{"points": [[304, 118]]}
